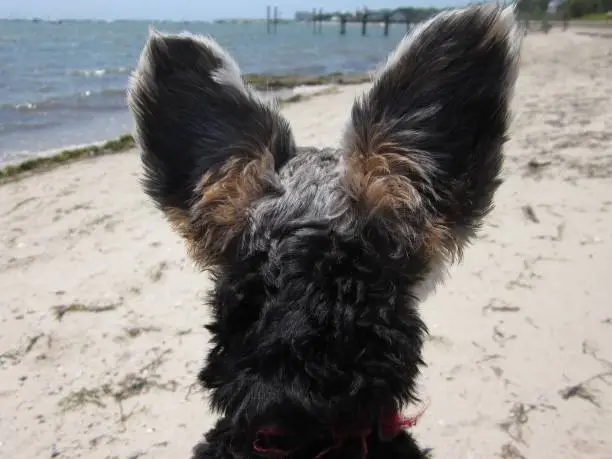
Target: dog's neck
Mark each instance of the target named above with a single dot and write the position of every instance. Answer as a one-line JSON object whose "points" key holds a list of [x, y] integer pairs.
{"points": [[269, 439]]}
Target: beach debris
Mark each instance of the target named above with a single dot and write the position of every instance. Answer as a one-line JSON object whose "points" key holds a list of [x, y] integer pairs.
{"points": [[139, 454], [131, 385], [293, 98], [32, 342], [61, 310], [582, 391], [18, 205], [518, 418], [498, 371], [489, 357], [509, 451], [134, 332], [536, 165], [527, 273], [193, 387], [440, 341], [530, 214], [558, 236], [157, 271], [9, 355], [560, 231], [497, 305], [16, 355], [590, 349], [301, 96], [500, 337], [135, 290], [531, 322]]}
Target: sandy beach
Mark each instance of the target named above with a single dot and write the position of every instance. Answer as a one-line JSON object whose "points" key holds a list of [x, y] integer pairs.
{"points": [[101, 312]]}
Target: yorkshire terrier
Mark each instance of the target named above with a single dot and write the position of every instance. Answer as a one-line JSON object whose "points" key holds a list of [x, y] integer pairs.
{"points": [[320, 257]]}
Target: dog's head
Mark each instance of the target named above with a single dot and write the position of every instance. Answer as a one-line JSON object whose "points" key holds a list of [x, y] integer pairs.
{"points": [[320, 258]]}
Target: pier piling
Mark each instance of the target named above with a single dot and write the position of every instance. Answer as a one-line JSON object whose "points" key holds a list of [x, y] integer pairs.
{"points": [[382, 17]]}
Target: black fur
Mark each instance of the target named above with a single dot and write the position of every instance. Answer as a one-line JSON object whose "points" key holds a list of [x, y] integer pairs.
{"points": [[326, 253], [189, 123], [224, 440], [446, 96]]}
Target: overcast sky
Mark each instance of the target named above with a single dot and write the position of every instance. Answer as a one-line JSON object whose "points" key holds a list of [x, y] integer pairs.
{"points": [[187, 9]]}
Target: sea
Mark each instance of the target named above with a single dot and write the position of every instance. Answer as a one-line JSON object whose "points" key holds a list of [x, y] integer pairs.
{"points": [[62, 83]]}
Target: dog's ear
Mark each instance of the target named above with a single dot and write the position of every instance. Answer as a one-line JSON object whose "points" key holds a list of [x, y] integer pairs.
{"points": [[424, 145], [210, 146]]}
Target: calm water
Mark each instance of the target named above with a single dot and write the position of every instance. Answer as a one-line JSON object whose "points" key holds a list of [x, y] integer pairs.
{"points": [[64, 84]]}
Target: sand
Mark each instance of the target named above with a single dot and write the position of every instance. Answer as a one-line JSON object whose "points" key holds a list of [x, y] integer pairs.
{"points": [[101, 313]]}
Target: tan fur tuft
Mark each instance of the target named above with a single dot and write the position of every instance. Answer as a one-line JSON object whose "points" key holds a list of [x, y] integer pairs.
{"points": [[441, 241], [386, 179], [221, 212], [382, 182]]}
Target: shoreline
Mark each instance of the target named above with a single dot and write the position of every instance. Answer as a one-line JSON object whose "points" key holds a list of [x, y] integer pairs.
{"points": [[262, 82], [41, 162], [36, 164]]}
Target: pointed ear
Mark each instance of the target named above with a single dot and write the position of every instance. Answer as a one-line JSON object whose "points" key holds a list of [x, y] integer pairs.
{"points": [[424, 145], [210, 145]]}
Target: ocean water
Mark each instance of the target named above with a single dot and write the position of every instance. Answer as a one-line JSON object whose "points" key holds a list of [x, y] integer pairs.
{"points": [[63, 84]]}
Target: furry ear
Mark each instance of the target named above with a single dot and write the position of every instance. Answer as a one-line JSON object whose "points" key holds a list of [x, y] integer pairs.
{"points": [[424, 145], [210, 145]]}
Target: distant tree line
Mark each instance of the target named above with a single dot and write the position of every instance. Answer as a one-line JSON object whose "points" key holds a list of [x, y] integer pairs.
{"points": [[579, 8], [408, 14], [527, 9], [415, 15], [567, 9]]}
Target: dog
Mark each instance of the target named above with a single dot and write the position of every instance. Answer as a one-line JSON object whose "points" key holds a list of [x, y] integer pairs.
{"points": [[320, 257]]}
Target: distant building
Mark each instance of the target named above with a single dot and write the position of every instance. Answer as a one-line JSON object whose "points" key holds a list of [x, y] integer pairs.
{"points": [[301, 16]]}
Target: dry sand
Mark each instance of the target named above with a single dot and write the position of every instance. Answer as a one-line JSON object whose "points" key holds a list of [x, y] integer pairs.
{"points": [[101, 313]]}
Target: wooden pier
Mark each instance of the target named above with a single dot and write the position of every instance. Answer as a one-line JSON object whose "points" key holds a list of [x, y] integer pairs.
{"points": [[271, 21], [365, 17]]}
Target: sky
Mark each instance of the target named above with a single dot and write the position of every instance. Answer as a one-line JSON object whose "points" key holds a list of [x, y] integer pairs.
{"points": [[189, 9]]}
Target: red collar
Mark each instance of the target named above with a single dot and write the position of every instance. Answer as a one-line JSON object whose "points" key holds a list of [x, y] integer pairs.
{"points": [[390, 427]]}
